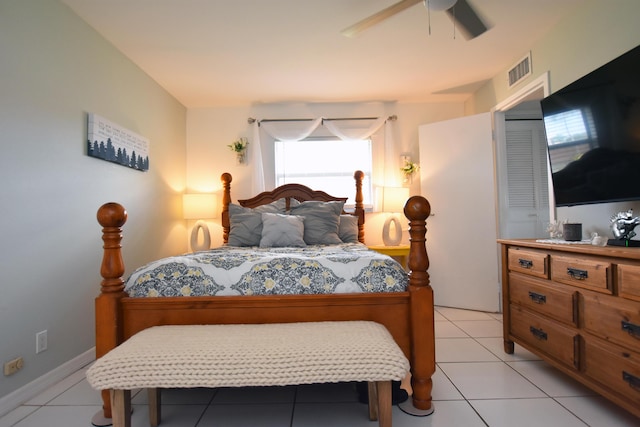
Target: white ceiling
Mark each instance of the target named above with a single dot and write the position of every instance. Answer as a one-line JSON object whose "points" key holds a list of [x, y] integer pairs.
{"points": [[211, 53]]}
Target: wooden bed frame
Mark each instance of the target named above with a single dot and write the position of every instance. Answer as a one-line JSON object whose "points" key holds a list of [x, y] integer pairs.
{"points": [[409, 316]]}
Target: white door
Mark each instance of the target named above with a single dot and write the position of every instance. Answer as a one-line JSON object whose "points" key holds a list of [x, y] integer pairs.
{"points": [[524, 210], [457, 177]]}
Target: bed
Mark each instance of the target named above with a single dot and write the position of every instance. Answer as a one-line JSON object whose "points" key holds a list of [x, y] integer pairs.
{"points": [[407, 313]]}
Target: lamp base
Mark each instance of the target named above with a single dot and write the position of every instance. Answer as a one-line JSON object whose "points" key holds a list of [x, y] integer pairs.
{"points": [[397, 237], [206, 237]]}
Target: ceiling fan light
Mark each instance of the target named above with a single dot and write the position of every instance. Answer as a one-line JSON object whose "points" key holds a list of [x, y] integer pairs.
{"points": [[439, 5]]}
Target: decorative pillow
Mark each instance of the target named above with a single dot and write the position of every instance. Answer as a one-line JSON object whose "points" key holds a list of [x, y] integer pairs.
{"points": [[246, 223], [280, 230], [348, 229], [321, 221]]}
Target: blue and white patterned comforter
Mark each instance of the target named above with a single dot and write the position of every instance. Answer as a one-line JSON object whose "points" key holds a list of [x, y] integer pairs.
{"points": [[345, 268]]}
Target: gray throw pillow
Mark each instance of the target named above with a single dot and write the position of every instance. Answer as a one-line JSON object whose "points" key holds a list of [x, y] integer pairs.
{"points": [[246, 223], [348, 229], [321, 221], [279, 230]]}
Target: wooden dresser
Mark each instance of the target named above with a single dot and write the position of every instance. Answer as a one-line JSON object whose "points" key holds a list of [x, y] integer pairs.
{"points": [[578, 308]]}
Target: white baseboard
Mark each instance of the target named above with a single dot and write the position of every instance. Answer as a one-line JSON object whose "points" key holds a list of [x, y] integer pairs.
{"points": [[27, 392]]}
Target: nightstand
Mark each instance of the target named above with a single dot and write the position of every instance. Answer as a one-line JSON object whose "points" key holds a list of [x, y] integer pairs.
{"points": [[399, 253]]}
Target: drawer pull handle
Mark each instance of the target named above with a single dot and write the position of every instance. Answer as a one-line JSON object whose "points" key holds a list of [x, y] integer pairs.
{"points": [[537, 298], [577, 274], [538, 333], [525, 263], [633, 381], [633, 330]]}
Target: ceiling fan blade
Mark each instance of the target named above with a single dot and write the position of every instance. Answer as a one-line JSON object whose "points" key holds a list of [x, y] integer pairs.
{"points": [[372, 20], [467, 19]]}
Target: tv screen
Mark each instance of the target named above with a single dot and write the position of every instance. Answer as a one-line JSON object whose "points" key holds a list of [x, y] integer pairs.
{"points": [[593, 134]]}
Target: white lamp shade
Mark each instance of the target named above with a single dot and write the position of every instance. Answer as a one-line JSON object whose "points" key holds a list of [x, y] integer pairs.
{"points": [[199, 206], [394, 199]]}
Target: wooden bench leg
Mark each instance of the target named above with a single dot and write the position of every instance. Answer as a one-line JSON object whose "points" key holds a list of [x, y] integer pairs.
{"points": [[121, 408], [384, 403], [373, 401], [154, 406]]}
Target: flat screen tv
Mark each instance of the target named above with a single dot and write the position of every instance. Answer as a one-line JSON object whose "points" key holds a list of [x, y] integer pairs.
{"points": [[593, 135]]}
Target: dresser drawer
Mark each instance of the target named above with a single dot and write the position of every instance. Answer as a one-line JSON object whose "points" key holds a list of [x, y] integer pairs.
{"points": [[582, 272], [559, 342], [531, 262], [629, 281], [557, 301], [615, 368], [613, 319]]}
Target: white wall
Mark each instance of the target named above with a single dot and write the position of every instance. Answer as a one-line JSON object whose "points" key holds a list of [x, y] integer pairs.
{"points": [[593, 35], [210, 130], [54, 69]]}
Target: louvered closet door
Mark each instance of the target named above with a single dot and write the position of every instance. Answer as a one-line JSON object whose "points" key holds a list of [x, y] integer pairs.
{"points": [[527, 199]]}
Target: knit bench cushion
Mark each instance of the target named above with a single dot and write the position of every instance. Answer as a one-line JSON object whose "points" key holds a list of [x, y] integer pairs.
{"points": [[251, 355]]}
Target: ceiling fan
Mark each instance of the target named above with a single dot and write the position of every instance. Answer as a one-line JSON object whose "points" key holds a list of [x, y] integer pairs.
{"points": [[463, 15]]}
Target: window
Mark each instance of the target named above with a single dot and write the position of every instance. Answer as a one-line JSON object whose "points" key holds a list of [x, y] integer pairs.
{"points": [[326, 164]]}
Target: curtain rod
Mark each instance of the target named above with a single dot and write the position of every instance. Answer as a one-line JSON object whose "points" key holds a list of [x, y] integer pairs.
{"points": [[251, 120]]}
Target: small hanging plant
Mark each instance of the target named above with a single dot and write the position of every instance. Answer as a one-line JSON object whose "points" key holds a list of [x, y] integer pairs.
{"points": [[409, 168], [239, 146]]}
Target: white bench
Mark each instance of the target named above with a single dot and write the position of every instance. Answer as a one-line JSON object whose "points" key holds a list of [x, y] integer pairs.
{"points": [[250, 355]]}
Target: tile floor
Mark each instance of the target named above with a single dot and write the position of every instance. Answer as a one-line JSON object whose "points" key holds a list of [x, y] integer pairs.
{"points": [[476, 384]]}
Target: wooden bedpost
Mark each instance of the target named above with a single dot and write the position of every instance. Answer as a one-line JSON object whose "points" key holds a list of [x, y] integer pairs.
{"points": [[226, 199], [111, 217], [417, 210], [359, 207]]}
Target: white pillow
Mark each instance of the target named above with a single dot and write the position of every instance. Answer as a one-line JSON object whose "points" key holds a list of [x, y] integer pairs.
{"points": [[279, 230]]}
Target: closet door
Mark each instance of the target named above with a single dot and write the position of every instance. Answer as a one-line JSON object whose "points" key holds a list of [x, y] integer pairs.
{"points": [[457, 176], [524, 212]]}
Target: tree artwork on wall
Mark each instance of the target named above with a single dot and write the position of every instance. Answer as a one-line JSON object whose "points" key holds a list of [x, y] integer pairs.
{"points": [[108, 141]]}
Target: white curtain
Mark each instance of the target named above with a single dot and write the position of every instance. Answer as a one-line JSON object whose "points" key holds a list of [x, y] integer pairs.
{"points": [[291, 130], [296, 130], [255, 154], [345, 129]]}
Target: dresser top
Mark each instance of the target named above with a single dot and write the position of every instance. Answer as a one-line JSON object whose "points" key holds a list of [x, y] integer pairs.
{"points": [[609, 251]]}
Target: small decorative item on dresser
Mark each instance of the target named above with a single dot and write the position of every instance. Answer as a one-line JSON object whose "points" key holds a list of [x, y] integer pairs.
{"points": [[622, 225], [555, 229], [240, 148], [572, 232]]}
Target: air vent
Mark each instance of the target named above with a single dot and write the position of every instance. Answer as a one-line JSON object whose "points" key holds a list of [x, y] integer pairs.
{"points": [[520, 71]]}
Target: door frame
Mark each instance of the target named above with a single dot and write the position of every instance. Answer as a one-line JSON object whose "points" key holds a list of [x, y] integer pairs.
{"points": [[536, 90]]}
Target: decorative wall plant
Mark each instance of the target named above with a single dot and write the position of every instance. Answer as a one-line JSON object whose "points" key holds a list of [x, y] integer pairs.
{"points": [[408, 169], [240, 148]]}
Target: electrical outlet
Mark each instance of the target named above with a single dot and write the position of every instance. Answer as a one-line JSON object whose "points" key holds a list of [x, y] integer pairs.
{"points": [[13, 366], [41, 341]]}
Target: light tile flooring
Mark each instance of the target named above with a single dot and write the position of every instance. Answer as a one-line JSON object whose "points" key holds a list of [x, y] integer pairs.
{"points": [[476, 384]]}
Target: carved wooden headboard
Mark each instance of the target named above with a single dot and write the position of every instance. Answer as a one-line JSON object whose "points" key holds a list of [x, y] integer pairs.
{"points": [[299, 192]]}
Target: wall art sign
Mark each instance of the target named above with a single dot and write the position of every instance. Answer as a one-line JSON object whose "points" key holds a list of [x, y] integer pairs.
{"points": [[108, 141]]}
